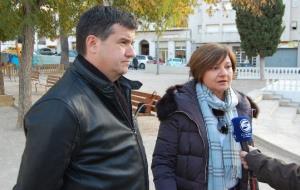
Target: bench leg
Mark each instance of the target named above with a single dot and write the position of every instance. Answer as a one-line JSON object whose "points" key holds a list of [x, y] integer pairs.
{"points": [[35, 85]]}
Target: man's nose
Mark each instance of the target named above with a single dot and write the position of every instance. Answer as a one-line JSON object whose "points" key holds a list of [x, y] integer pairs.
{"points": [[130, 51]]}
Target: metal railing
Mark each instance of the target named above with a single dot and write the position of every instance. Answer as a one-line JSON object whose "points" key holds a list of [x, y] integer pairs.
{"points": [[271, 73], [11, 71], [49, 68]]}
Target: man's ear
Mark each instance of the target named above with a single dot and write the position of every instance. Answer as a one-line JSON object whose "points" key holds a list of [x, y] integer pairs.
{"points": [[91, 43]]}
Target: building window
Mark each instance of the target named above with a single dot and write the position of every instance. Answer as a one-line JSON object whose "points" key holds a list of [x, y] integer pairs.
{"points": [[180, 52], [74, 45], [230, 28], [42, 41], [163, 54], [242, 60], [199, 28], [295, 3], [200, 11], [227, 6], [294, 25], [212, 28]]}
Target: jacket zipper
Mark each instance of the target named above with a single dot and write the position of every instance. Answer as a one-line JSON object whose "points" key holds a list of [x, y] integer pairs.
{"points": [[128, 120], [139, 145], [206, 156], [145, 162]]}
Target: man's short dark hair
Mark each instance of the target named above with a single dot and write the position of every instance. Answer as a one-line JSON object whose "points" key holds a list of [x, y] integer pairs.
{"points": [[98, 21]]}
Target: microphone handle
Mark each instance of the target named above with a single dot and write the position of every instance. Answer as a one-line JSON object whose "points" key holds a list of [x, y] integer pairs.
{"points": [[244, 145], [252, 180]]}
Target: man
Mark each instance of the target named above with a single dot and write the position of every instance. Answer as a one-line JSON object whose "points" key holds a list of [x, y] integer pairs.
{"points": [[277, 174], [135, 63], [81, 134]]}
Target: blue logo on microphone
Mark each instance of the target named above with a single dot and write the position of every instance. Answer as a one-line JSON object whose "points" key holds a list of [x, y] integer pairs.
{"points": [[242, 128], [245, 125]]}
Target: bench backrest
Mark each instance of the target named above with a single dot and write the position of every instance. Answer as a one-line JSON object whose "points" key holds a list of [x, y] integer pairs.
{"points": [[144, 103], [35, 76], [51, 80]]}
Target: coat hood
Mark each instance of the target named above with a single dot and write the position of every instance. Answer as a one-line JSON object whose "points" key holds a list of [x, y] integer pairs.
{"points": [[183, 98]]}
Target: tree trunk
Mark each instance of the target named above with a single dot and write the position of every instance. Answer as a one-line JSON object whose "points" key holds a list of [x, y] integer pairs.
{"points": [[157, 55], [2, 90], [64, 59], [262, 68], [24, 72]]}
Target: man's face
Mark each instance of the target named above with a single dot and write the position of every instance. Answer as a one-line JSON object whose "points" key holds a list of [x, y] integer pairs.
{"points": [[113, 55]]}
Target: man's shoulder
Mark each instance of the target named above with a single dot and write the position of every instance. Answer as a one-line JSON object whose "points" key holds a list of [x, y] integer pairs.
{"points": [[65, 90]]}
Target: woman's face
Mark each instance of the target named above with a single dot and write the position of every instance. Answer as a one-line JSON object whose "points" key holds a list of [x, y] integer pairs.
{"points": [[219, 77]]}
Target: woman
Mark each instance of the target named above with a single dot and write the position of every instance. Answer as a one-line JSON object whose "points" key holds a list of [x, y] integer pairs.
{"points": [[195, 148]]}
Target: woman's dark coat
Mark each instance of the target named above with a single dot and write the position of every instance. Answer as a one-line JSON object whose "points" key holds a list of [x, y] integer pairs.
{"points": [[180, 158]]}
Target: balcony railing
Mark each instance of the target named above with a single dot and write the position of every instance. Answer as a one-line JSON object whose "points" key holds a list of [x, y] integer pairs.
{"points": [[271, 73]]}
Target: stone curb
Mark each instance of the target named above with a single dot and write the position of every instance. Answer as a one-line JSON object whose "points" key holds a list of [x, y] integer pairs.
{"points": [[276, 148], [257, 96]]}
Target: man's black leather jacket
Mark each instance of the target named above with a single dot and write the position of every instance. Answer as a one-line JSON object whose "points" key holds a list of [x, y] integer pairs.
{"points": [[74, 142]]}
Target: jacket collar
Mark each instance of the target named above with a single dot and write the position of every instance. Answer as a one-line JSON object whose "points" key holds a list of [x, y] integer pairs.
{"points": [[180, 98], [98, 80], [184, 98], [187, 101]]}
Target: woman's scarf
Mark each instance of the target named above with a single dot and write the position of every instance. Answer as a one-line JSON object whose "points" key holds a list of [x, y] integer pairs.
{"points": [[224, 166]]}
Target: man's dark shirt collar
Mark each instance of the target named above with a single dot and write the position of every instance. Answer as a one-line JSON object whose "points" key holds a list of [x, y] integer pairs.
{"points": [[92, 68]]}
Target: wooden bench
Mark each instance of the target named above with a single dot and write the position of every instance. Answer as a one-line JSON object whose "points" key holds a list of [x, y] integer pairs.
{"points": [[9, 70], [50, 81], [143, 104], [35, 79]]}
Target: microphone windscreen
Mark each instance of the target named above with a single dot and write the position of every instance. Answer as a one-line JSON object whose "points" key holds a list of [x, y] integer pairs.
{"points": [[242, 129]]}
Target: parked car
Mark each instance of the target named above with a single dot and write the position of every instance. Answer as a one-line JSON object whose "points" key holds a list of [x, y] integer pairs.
{"points": [[175, 62], [72, 55], [142, 61], [45, 51]]}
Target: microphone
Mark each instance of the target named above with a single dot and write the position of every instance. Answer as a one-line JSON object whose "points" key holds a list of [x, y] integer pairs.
{"points": [[242, 131]]}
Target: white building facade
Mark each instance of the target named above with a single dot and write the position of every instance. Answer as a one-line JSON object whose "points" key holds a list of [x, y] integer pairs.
{"points": [[172, 43], [202, 28], [220, 27]]}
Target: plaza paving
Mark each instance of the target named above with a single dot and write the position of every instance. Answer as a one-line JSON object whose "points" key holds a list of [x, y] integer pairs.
{"points": [[12, 140]]}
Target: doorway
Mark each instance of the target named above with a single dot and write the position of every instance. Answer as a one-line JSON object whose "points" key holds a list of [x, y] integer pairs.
{"points": [[144, 47]]}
